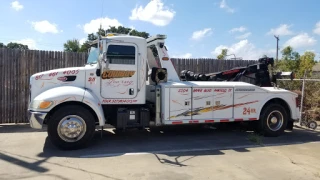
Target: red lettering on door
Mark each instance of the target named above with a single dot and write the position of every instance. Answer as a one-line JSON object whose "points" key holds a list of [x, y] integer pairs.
{"points": [[182, 90], [197, 90]]}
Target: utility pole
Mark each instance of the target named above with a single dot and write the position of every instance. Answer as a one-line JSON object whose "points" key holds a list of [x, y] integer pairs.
{"points": [[277, 37]]}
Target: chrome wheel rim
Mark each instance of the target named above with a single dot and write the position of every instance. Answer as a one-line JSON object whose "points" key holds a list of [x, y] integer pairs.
{"points": [[71, 128], [275, 120]]}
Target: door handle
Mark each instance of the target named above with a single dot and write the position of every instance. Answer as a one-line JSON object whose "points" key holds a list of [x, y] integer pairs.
{"points": [[131, 91]]}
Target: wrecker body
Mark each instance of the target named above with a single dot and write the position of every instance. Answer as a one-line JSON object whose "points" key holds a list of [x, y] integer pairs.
{"points": [[130, 82]]}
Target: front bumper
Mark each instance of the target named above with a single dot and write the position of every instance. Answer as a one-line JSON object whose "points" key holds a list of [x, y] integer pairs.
{"points": [[36, 119]]}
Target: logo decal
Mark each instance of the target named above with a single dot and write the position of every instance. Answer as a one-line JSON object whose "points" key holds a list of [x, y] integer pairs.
{"points": [[62, 78], [108, 74], [67, 78], [245, 89], [91, 80]]}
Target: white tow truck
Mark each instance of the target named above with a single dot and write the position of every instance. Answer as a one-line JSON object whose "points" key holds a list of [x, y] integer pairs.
{"points": [[130, 82]]}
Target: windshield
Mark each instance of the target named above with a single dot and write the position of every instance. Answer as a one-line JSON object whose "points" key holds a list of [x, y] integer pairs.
{"points": [[93, 55]]}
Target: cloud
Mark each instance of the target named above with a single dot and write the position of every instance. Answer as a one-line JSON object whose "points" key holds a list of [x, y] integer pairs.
{"points": [[310, 50], [16, 5], [245, 50], [45, 27], [316, 30], [301, 40], [239, 29], [28, 41], [197, 35], [154, 12], [282, 30], [224, 5], [81, 41], [187, 55], [94, 25], [244, 36]]}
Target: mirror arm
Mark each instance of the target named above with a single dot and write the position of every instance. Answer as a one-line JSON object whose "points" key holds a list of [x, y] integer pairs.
{"points": [[104, 57]]}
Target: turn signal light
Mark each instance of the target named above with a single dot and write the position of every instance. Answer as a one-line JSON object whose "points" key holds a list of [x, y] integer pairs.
{"points": [[45, 104], [165, 58]]}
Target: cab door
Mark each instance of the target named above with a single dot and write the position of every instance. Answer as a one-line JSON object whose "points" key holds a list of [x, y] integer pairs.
{"points": [[119, 77]]}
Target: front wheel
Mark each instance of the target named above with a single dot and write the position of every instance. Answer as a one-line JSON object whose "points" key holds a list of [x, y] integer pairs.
{"points": [[71, 127], [273, 120]]}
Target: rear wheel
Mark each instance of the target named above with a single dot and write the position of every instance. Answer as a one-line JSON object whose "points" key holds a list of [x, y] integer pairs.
{"points": [[273, 120], [71, 127]]}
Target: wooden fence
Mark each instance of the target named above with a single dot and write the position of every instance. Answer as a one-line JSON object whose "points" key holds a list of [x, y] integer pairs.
{"points": [[16, 66]]}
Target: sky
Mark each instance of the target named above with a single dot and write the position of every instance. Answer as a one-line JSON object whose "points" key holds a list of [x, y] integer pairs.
{"points": [[194, 29]]}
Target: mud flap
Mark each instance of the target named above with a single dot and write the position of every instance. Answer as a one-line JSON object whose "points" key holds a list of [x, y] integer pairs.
{"points": [[290, 125]]}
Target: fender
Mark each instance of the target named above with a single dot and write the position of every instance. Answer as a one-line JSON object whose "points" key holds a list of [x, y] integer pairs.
{"points": [[93, 101], [285, 99], [63, 94], [57, 96]]}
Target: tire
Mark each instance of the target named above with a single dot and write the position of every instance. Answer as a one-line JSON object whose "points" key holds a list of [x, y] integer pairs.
{"points": [[78, 115], [312, 125], [273, 120]]}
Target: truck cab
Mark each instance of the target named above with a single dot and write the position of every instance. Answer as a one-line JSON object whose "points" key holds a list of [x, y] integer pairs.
{"points": [[130, 82]]}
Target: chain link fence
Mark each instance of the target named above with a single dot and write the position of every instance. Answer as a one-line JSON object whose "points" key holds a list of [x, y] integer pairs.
{"points": [[308, 90]]}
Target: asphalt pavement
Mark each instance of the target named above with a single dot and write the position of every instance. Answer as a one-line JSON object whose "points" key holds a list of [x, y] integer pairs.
{"points": [[162, 153]]}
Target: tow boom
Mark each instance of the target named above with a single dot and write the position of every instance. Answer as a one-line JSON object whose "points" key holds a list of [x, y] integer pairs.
{"points": [[259, 72]]}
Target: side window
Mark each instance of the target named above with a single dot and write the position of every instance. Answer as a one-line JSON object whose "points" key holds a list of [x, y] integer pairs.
{"points": [[119, 54]]}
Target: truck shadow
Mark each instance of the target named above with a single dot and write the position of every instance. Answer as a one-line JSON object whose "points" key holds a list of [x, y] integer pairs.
{"points": [[171, 146], [179, 143]]}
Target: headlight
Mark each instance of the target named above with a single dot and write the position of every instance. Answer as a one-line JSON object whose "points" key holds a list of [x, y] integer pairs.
{"points": [[40, 104]]}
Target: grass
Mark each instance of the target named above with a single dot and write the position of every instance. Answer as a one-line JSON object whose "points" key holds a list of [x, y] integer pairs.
{"points": [[255, 138]]}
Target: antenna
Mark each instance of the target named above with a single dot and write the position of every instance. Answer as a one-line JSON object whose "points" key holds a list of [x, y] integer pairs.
{"points": [[101, 8], [98, 34], [101, 14], [130, 32]]}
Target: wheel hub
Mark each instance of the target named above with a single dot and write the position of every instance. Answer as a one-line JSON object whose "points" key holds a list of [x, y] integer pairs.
{"points": [[274, 120], [71, 128]]}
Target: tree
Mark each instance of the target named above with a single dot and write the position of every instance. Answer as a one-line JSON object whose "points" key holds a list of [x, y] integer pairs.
{"points": [[124, 30], [72, 46], [223, 54], [290, 60], [2, 45], [307, 62], [84, 47], [118, 30], [13, 45]]}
